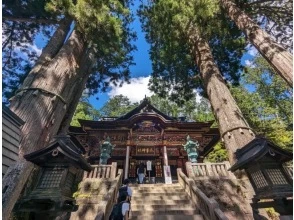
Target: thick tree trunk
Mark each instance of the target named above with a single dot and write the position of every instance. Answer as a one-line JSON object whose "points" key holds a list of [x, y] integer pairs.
{"points": [[52, 48], [42, 103], [85, 68], [280, 59], [233, 127]]}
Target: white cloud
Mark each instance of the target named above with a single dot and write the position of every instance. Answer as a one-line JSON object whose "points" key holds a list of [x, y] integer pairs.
{"points": [[36, 49], [135, 91], [251, 50], [248, 63]]}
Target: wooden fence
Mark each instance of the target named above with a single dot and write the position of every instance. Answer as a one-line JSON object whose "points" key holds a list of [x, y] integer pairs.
{"points": [[206, 170], [209, 208], [102, 171]]}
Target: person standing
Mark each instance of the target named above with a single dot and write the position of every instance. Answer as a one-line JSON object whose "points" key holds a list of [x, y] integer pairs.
{"points": [[141, 172], [121, 209]]}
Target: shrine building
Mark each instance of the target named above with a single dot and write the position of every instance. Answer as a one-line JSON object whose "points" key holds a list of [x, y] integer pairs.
{"points": [[145, 134]]}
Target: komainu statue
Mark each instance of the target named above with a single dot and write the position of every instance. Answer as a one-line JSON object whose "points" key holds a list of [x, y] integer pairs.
{"points": [[191, 149], [105, 151]]}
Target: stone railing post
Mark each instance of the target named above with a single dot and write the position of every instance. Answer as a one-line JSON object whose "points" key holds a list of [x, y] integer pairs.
{"points": [[179, 170], [209, 169], [189, 169], [113, 170], [228, 166]]}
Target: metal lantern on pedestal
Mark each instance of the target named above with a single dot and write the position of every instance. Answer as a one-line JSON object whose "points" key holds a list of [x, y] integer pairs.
{"points": [[263, 162], [191, 149], [105, 151], [52, 193]]}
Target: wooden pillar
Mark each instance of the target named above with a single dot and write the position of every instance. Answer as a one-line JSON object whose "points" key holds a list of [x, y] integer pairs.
{"points": [[165, 160], [127, 162]]}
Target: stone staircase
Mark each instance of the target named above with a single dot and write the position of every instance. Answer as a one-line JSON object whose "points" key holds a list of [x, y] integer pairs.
{"points": [[162, 202]]}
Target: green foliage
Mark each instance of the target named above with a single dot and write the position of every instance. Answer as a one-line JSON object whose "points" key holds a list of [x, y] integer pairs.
{"points": [[203, 111], [104, 26], [192, 110], [276, 17], [18, 52], [170, 28], [219, 154], [268, 107], [84, 111], [117, 106], [272, 213]]}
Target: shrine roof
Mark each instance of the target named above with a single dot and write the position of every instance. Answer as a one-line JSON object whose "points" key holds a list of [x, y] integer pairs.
{"points": [[144, 111], [67, 145], [144, 106], [257, 149], [76, 130]]}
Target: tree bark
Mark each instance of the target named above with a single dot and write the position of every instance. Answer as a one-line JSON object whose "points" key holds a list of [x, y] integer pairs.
{"points": [[278, 57], [49, 52], [234, 129], [42, 103]]}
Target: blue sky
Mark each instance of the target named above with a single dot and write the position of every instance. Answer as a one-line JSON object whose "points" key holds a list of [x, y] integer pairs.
{"points": [[140, 72]]}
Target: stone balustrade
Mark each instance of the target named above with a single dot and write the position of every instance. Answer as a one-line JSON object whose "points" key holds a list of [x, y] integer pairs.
{"points": [[209, 208], [97, 197], [110, 198], [102, 171], [208, 170]]}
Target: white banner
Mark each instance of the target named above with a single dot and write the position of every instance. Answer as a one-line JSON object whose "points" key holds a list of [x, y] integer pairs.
{"points": [[149, 165], [167, 175]]}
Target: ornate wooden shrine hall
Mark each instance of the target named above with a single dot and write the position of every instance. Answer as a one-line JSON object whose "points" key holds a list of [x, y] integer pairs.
{"points": [[145, 134]]}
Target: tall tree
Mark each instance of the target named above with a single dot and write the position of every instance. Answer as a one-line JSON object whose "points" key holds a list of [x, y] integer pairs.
{"points": [[203, 111], [280, 59], [268, 105], [84, 111], [275, 17], [117, 106], [22, 22], [49, 95], [179, 34]]}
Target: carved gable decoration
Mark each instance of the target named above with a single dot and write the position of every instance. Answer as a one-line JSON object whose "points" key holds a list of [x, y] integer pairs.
{"points": [[147, 132], [147, 127]]}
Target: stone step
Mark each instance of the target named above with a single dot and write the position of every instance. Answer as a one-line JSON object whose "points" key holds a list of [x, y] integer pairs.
{"points": [[166, 194], [178, 190], [156, 185], [155, 196], [160, 201], [134, 213], [162, 207], [167, 217], [158, 192]]}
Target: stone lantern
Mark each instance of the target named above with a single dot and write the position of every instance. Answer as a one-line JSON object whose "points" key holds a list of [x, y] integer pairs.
{"points": [[59, 163], [263, 163]]}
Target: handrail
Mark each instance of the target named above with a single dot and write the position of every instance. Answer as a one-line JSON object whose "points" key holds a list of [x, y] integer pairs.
{"points": [[107, 202], [209, 208]]}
